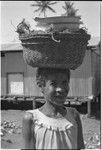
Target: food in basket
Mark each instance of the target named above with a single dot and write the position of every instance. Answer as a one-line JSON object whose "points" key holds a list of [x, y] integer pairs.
{"points": [[61, 49]]}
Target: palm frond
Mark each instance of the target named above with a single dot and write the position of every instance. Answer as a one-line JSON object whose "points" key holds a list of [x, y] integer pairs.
{"points": [[64, 7], [36, 5], [43, 9], [38, 2], [43, 6], [37, 10], [73, 12], [52, 3], [69, 9], [51, 9], [70, 4]]}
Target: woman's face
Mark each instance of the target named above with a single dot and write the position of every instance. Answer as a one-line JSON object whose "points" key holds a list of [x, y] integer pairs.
{"points": [[56, 88]]}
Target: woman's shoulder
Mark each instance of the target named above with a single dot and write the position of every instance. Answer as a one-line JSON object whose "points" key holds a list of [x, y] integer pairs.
{"points": [[29, 115], [73, 111]]}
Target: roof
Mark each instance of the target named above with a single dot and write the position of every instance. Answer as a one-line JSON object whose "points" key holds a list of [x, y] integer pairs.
{"points": [[11, 47], [95, 45], [18, 47], [94, 41]]}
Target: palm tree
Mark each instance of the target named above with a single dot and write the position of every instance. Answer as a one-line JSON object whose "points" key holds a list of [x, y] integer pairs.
{"points": [[43, 6], [70, 10]]}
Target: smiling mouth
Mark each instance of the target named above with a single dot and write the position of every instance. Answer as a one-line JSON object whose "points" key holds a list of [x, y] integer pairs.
{"points": [[59, 98]]}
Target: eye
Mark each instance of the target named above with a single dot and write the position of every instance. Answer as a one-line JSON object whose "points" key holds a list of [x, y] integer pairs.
{"points": [[53, 83], [65, 83]]}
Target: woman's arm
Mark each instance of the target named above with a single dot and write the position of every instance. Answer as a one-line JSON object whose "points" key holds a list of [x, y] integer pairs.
{"points": [[80, 140], [28, 131]]}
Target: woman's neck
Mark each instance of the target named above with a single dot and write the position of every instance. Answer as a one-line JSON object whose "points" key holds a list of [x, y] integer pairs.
{"points": [[51, 109]]}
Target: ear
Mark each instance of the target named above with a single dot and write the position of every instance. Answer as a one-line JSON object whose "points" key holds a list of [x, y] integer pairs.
{"points": [[43, 89]]}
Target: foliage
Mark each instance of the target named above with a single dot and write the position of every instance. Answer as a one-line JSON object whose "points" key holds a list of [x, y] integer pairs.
{"points": [[93, 142], [23, 27], [10, 127], [69, 9], [43, 6]]}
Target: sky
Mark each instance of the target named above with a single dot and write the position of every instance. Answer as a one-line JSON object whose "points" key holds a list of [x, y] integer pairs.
{"points": [[12, 13]]}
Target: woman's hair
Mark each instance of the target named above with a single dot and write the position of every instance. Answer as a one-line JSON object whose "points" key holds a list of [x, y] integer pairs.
{"points": [[42, 74]]}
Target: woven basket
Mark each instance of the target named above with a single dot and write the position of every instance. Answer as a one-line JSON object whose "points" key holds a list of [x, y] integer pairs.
{"points": [[62, 50]]}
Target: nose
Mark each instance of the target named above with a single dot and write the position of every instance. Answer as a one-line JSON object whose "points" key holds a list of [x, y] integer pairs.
{"points": [[59, 90]]}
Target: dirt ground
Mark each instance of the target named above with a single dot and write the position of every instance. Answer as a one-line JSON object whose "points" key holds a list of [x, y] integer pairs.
{"points": [[13, 140]]}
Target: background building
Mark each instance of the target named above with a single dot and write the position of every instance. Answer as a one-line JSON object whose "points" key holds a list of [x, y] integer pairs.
{"points": [[17, 78]]}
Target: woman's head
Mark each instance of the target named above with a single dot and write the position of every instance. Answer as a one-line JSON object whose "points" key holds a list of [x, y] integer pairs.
{"points": [[54, 84], [42, 74]]}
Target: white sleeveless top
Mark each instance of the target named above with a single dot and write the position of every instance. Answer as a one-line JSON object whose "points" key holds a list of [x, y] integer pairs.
{"points": [[52, 133]]}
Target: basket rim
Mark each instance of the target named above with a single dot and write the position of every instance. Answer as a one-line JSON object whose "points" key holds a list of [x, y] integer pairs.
{"points": [[59, 35]]}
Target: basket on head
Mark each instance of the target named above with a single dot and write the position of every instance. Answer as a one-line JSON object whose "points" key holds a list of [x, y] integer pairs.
{"points": [[57, 50]]}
